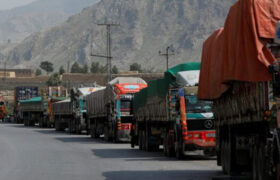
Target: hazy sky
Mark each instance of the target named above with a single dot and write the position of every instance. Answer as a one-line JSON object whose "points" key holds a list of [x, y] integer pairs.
{"points": [[8, 4]]}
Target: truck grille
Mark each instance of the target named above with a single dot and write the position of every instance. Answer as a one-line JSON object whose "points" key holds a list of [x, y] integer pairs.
{"points": [[200, 124]]}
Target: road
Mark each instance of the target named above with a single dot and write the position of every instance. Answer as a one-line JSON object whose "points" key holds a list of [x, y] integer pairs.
{"points": [[44, 154]]}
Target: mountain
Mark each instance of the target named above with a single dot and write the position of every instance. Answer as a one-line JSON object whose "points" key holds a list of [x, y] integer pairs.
{"points": [[146, 27], [18, 23]]}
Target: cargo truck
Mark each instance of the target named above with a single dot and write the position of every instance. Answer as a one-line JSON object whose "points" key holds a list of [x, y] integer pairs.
{"points": [[2, 108], [32, 110], [80, 122], [62, 114], [168, 113], [240, 72], [110, 110], [23, 93], [48, 119]]}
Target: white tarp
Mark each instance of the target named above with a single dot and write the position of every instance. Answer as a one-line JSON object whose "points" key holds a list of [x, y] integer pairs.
{"points": [[188, 78]]}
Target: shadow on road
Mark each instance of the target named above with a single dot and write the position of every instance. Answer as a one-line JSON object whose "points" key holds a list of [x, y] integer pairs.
{"points": [[162, 175], [20, 126], [50, 132], [137, 155], [82, 140]]}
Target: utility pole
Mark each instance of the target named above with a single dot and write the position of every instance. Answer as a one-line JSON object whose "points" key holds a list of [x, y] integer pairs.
{"points": [[167, 54], [108, 55], [68, 66]]}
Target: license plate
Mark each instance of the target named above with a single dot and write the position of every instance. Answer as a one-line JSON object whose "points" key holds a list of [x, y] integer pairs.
{"points": [[211, 135]]}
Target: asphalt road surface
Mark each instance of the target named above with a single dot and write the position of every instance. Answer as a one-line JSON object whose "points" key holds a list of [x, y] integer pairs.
{"points": [[44, 154]]}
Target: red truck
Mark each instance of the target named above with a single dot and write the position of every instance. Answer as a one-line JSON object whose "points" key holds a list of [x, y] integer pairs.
{"points": [[2, 108], [241, 74]]}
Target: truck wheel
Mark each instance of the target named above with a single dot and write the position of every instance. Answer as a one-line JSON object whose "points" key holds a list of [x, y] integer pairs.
{"points": [[93, 133], [140, 140], [57, 126], [223, 157], [261, 164], [255, 163], [25, 122], [143, 141], [106, 134], [179, 151]]}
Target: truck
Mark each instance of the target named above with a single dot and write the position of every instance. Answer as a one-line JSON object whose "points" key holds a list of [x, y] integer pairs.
{"points": [[240, 73], [2, 108], [62, 114], [168, 113], [23, 93], [48, 119], [78, 97], [110, 109], [32, 110], [50, 95]]}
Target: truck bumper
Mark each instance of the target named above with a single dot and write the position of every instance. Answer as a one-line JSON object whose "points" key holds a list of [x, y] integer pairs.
{"points": [[124, 132]]}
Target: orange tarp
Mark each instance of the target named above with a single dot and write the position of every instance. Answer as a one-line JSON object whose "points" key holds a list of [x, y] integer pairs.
{"points": [[238, 51]]}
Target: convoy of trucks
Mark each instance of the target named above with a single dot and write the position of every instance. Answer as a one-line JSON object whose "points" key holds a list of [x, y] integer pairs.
{"points": [[240, 72], [110, 109], [168, 113], [229, 105]]}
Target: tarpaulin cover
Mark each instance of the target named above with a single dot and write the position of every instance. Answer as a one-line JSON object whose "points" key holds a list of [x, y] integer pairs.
{"points": [[238, 52], [32, 100], [159, 87]]}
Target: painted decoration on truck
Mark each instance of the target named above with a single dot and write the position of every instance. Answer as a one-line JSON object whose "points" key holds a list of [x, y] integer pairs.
{"points": [[88, 90], [129, 88]]}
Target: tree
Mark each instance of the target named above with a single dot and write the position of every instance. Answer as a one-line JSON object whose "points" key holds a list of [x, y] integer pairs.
{"points": [[38, 72], [115, 70], [75, 68], [47, 66], [54, 80], [94, 67], [135, 67], [97, 68], [61, 70], [84, 69]]}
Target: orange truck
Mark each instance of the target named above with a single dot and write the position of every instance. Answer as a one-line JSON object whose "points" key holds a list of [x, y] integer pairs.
{"points": [[240, 73]]}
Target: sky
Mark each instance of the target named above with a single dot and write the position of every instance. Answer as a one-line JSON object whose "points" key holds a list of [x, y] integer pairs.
{"points": [[8, 4]]}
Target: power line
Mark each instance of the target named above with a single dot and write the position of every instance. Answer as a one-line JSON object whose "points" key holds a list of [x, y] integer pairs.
{"points": [[108, 55], [167, 54]]}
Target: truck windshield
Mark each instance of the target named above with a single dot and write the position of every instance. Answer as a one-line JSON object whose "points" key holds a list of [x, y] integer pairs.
{"points": [[126, 104], [197, 106]]}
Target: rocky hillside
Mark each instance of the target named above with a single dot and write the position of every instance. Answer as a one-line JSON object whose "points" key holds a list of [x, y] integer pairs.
{"points": [[146, 27], [18, 23]]}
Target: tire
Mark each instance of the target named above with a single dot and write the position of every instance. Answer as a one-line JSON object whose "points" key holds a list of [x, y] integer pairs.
{"points": [[106, 134], [94, 133], [57, 126], [140, 140], [261, 164], [223, 157], [179, 151], [255, 163]]}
